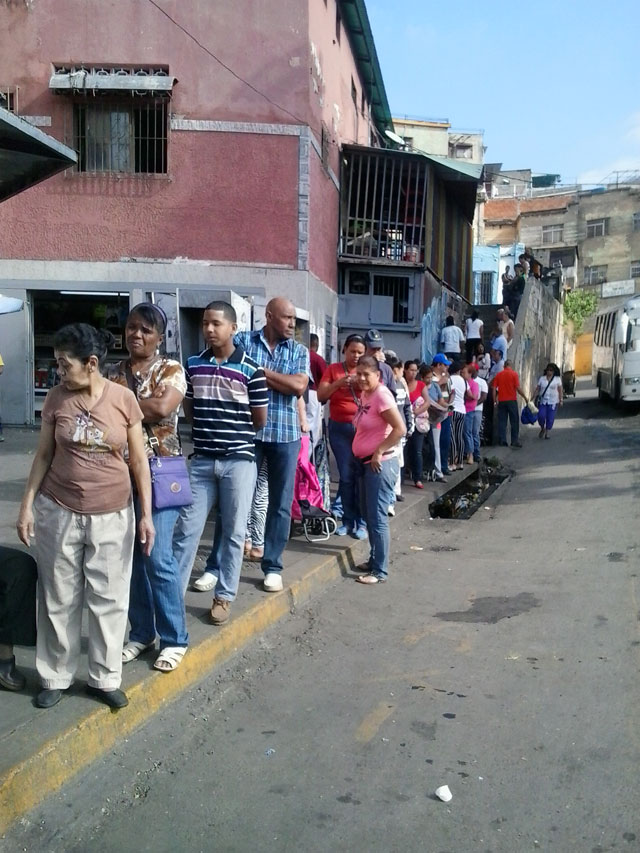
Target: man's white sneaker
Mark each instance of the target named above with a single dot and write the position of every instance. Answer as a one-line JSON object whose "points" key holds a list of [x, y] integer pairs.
{"points": [[205, 582], [273, 582], [391, 511]]}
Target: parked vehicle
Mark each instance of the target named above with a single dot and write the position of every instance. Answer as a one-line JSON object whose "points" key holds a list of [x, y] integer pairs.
{"points": [[616, 352]]}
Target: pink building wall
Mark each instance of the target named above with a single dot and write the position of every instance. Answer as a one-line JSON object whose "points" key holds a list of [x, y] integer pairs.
{"points": [[228, 196]]}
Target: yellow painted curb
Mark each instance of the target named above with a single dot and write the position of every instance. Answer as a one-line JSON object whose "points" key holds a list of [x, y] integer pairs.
{"points": [[56, 761]]}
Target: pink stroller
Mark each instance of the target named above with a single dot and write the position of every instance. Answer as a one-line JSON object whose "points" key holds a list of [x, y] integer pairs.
{"points": [[307, 507]]}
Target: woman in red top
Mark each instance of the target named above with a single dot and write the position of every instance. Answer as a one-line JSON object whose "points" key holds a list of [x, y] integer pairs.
{"points": [[418, 393], [338, 385]]}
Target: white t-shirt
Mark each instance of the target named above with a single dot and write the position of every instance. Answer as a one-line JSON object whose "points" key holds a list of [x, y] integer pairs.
{"points": [[473, 328], [549, 395], [451, 338], [459, 386], [484, 389]]}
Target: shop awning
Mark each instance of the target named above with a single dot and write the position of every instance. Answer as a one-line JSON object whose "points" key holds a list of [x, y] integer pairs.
{"points": [[27, 155]]}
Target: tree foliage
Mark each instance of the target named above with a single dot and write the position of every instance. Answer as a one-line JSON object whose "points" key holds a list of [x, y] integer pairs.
{"points": [[578, 305]]}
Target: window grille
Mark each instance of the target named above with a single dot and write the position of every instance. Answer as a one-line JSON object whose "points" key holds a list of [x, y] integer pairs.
{"points": [[397, 288], [636, 221], [486, 288], [121, 135], [328, 333], [383, 206], [9, 98], [634, 269]]}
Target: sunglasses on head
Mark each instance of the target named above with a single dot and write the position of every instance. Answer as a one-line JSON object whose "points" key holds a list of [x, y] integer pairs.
{"points": [[354, 339]]}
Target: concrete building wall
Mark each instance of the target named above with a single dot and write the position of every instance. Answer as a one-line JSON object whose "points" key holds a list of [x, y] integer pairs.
{"points": [[620, 246], [539, 335], [234, 197], [430, 137], [333, 69]]}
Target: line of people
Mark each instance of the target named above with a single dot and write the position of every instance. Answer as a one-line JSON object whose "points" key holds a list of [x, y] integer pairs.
{"points": [[102, 539]]}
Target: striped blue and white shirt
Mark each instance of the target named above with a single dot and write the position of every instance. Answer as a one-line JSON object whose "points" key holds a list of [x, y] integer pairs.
{"points": [[223, 394], [288, 357]]}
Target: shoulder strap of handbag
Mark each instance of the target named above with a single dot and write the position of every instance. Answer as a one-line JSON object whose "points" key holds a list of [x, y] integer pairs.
{"points": [[154, 444], [547, 388]]}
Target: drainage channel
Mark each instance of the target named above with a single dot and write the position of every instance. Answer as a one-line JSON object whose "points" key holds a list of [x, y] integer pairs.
{"points": [[466, 497]]}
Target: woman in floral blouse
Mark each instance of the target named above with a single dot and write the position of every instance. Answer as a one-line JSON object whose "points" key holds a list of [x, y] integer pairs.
{"points": [[156, 604]]}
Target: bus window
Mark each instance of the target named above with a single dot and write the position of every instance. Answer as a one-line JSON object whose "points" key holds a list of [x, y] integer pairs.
{"points": [[610, 319], [596, 336]]}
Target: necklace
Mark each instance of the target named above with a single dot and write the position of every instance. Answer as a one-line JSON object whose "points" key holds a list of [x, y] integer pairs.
{"points": [[91, 398]]}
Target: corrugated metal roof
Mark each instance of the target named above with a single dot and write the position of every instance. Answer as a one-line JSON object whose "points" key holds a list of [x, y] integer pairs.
{"points": [[27, 155], [356, 21]]}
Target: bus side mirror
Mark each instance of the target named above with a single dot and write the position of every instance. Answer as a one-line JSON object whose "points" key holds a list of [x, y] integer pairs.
{"points": [[620, 337]]}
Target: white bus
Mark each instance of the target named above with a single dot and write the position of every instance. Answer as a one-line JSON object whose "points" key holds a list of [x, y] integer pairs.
{"points": [[616, 352]]}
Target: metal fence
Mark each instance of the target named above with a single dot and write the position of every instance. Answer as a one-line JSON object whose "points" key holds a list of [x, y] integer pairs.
{"points": [[383, 206]]}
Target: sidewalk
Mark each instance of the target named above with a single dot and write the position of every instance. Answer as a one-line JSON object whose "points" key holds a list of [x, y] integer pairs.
{"points": [[41, 749]]}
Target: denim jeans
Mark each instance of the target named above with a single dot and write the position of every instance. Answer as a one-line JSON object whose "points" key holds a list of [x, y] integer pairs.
{"points": [[281, 459], [341, 438], [508, 409], [477, 426], [226, 484], [445, 444], [156, 598], [376, 495], [468, 433]]}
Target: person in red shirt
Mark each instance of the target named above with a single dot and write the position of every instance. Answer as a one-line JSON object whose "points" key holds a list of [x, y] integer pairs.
{"points": [[317, 362], [505, 388], [339, 386]]}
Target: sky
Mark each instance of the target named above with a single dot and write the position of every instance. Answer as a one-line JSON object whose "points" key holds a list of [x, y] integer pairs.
{"points": [[554, 84]]}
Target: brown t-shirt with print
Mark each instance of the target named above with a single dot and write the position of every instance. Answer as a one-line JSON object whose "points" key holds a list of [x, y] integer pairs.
{"points": [[163, 371], [88, 473]]}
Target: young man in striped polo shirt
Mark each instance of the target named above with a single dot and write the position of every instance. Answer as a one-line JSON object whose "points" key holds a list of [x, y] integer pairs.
{"points": [[226, 401]]}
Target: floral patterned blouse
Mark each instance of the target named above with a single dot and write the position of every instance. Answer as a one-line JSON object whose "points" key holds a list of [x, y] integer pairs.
{"points": [[163, 371]]}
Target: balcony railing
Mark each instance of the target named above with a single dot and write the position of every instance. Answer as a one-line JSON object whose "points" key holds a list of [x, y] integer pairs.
{"points": [[383, 206]]}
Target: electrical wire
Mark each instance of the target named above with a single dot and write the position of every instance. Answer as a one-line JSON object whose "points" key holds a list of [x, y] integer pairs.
{"points": [[230, 70]]}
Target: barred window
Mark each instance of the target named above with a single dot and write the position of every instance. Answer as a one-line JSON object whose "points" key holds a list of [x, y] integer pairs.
{"points": [[595, 275], [122, 136]]}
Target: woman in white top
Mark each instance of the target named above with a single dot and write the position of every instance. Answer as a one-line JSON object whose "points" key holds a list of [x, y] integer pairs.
{"points": [[474, 328], [548, 394], [451, 337], [459, 385]]}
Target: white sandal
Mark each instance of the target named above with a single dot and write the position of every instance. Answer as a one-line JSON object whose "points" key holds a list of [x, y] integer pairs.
{"points": [[133, 650], [169, 658]]}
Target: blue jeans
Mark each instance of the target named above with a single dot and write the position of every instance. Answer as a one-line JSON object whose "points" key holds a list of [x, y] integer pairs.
{"points": [[477, 426], [445, 444], [468, 433], [377, 492], [341, 438], [226, 484], [156, 601], [508, 409], [281, 459]]}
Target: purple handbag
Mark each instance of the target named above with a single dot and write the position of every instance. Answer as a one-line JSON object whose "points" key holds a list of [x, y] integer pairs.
{"points": [[170, 485]]}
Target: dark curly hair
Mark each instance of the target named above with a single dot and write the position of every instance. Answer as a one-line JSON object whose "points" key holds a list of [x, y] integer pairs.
{"points": [[80, 340]]}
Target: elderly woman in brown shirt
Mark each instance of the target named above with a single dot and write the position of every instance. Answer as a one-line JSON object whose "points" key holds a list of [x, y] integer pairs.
{"points": [[78, 503]]}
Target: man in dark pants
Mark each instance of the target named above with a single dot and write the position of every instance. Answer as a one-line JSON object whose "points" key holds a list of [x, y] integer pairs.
{"points": [[504, 389], [18, 577], [287, 370]]}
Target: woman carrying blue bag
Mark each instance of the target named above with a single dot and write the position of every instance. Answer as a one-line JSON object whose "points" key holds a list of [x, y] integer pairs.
{"points": [[156, 604]]}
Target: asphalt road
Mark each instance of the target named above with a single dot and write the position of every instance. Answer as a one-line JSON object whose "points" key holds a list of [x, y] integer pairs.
{"points": [[501, 659]]}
